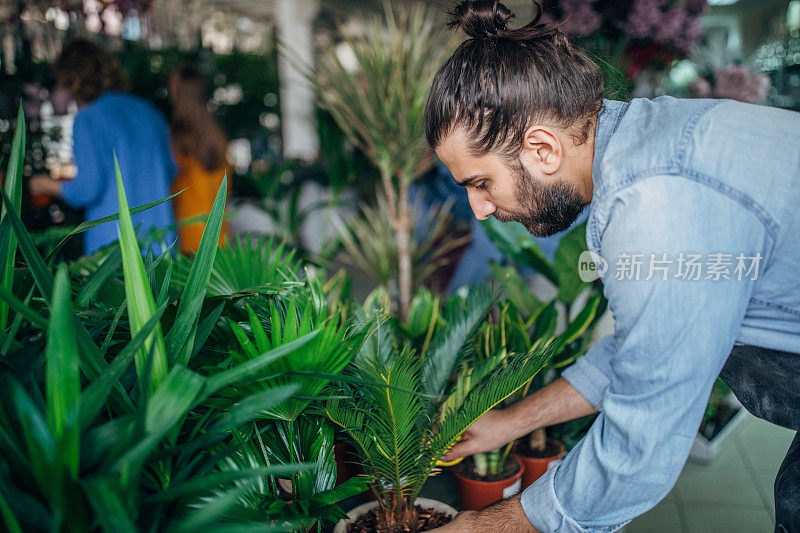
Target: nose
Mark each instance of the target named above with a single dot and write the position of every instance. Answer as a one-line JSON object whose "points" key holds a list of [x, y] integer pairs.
{"points": [[480, 205]]}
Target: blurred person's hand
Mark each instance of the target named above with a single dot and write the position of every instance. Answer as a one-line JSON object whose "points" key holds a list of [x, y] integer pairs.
{"points": [[43, 185]]}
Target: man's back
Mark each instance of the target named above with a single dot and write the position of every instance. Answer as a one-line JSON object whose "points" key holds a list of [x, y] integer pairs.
{"points": [[748, 154], [129, 127]]}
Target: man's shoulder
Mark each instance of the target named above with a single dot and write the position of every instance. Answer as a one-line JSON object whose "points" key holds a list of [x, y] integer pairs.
{"points": [[652, 137]]}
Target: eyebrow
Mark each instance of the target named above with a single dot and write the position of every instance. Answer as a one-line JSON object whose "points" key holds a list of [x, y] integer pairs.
{"points": [[471, 179]]}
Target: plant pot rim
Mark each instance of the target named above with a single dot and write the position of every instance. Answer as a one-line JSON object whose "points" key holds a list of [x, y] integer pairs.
{"points": [[561, 451], [356, 512], [516, 475]]}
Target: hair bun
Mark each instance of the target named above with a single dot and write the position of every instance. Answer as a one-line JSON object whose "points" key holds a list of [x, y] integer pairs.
{"points": [[481, 18]]}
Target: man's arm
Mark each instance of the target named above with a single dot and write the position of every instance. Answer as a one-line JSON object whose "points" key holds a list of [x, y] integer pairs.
{"points": [[672, 336], [555, 403], [506, 516]]}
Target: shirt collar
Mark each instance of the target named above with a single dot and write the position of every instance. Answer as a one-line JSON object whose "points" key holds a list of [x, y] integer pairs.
{"points": [[607, 121]]}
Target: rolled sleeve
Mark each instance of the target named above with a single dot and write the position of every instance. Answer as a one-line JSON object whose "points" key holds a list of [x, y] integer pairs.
{"points": [[591, 374]]}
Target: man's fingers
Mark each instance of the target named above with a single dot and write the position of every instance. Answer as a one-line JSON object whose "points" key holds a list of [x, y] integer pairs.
{"points": [[462, 449]]}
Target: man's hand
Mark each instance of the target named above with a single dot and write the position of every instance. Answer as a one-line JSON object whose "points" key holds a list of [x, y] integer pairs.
{"points": [[41, 185], [489, 432], [555, 403], [506, 516]]}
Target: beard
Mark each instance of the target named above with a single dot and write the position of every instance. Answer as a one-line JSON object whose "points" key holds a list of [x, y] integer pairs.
{"points": [[545, 209]]}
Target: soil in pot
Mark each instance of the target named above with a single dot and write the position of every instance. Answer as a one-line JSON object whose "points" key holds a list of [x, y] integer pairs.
{"points": [[476, 492], [538, 461], [427, 519]]}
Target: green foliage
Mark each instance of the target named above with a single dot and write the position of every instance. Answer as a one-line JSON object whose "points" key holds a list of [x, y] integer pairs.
{"points": [[117, 412], [396, 408]]}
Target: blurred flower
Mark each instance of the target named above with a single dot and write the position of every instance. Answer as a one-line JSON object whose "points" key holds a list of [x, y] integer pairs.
{"points": [[580, 18], [644, 19], [736, 82], [700, 88]]}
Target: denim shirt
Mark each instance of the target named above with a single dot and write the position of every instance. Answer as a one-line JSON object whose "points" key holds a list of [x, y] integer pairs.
{"points": [[677, 184]]}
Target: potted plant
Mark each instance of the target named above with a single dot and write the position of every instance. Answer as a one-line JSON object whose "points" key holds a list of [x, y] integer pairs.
{"points": [[490, 476], [402, 412], [573, 301], [109, 425], [125, 407]]}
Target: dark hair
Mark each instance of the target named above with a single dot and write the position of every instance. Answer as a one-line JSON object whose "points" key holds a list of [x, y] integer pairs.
{"points": [[501, 80], [195, 132], [87, 71]]}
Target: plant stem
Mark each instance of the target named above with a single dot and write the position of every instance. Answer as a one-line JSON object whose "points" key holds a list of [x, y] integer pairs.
{"points": [[403, 230], [481, 463]]}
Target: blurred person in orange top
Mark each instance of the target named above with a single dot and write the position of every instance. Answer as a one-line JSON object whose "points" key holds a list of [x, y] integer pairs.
{"points": [[200, 147]]}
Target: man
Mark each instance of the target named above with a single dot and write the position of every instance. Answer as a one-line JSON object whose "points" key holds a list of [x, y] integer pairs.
{"points": [[695, 212], [111, 122]]}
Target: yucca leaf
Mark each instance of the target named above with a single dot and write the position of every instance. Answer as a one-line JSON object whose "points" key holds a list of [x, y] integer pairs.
{"points": [[41, 275], [89, 224], [181, 334], [93, 398], [38, 439], [199, 485], [95, 282], [170, 402], [108, 507], [199, 275], [141, 305], [13, 188], [10, 521], [63, 375], [19, 307]]}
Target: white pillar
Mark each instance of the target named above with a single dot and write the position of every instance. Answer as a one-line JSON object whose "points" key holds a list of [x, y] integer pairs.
{"points": [[294, 19]]}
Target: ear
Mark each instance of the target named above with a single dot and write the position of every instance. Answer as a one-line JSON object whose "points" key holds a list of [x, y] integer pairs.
{"points": [[542, 148]]}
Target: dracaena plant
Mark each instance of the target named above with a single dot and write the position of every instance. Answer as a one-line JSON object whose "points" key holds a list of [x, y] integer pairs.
{"points": [[580, 304], [379, 101], [507, 335], [125, 436], [396, 409]]}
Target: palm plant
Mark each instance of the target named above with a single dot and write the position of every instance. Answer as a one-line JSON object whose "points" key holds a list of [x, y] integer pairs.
{"points": [[130, 435], [398, 409], [379, 103]]}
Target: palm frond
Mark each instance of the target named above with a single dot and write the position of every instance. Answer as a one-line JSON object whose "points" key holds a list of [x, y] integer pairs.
{"points": [[247, 265], [450, 343]]}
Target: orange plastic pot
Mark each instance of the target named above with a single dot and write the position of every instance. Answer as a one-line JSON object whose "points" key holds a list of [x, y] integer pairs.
{"points": [[535, 467], [476, 494]]}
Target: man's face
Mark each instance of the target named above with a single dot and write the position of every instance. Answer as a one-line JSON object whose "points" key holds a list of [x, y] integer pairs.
{"points": [[530, 189]]}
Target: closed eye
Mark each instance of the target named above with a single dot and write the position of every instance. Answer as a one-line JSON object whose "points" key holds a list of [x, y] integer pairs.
{"points": [[481, 187]]}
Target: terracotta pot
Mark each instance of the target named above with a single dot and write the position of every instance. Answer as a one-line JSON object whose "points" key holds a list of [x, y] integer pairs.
{"points": [[535, 467], [435, 505], [476, 494]]}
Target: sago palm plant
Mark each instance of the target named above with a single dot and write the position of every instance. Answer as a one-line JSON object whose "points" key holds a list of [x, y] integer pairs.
{"points": [[396, 410]]}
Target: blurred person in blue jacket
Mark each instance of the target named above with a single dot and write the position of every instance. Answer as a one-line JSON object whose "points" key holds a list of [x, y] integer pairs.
{"points": [[111, 121]]}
